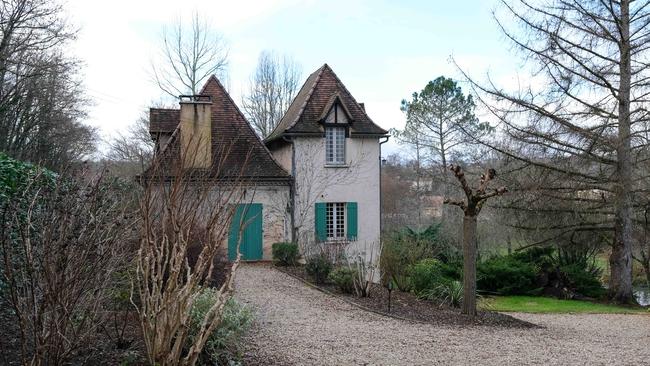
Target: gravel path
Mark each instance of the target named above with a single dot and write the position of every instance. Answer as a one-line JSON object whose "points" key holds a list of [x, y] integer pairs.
{"points": [[297, 325]]}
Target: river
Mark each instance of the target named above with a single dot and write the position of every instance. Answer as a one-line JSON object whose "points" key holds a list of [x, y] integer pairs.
{"points": [[642, 294]]}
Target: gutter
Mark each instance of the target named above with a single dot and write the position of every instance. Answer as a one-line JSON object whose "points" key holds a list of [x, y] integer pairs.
{"points": [[381, 220], [292, 188]]}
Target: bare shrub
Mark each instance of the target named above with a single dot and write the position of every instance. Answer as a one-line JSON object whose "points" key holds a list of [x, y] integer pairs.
{"points": [[363, 259], [61, 244], [183, 210]]}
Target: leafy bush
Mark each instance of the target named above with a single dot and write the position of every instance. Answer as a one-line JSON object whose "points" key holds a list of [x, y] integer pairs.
{"points": [[406, 247], [319, 267], [223, 346], [344, 277], [506, 275], [540, 257], [285, 254], [425, 275], [447, 292], [580, 280]]}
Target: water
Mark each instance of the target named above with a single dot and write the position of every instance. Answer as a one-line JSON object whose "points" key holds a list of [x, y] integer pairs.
{"points": [[642, 295]]}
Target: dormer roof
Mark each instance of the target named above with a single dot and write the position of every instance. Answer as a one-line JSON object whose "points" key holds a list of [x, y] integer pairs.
{"points": [[321, 91]]}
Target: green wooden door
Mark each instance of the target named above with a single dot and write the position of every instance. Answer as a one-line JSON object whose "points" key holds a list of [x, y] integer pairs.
{"points": [[248, 222]]}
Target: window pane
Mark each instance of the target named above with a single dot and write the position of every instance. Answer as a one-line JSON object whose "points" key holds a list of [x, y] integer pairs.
{"points": [[335, 220], [335, 145]]}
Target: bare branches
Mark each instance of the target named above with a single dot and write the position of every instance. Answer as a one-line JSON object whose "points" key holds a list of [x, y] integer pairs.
{"points": [[273, 86], [183, 208], [41, 103], [474, 198], [61, 243], [190, 53]]}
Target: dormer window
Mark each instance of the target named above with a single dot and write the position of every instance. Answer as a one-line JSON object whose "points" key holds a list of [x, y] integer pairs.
{"points": [[337, 115], [335, 145]]}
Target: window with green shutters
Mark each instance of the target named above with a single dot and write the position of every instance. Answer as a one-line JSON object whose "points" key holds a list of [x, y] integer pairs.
{"points": [[336, 221]]}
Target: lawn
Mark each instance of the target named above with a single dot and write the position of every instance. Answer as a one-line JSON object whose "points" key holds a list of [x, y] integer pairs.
{"points": [[530, 304]]}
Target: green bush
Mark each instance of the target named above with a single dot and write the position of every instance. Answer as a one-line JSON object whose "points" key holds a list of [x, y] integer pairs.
{"points": [[540, 257], [285, 254], [447, 292], [404, 248], [579, 279], [343, 277], [506, 275], [319, 267], [224, 345], [425, 275]]}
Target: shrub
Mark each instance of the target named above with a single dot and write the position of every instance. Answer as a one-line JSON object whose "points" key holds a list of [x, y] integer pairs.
{"points": [[540, 257], [223, 345], [344, 277], [404, 248], [580, 280], [319, 267], [447, 292], [425, 275], [507, 276], [285, 254]]}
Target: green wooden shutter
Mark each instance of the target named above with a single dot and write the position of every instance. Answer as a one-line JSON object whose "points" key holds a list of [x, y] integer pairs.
{"points": [[352, 213], [320, 220]]}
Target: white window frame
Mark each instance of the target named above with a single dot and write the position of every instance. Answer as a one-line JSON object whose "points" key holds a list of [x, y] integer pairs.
{"points": [[335, 145], [336, 221]]}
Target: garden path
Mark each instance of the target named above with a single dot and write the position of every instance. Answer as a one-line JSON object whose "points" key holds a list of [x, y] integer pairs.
{"points": [[297, 325]]}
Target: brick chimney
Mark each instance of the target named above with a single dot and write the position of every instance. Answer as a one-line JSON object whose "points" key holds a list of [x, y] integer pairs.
{"points": [[196, 131]]}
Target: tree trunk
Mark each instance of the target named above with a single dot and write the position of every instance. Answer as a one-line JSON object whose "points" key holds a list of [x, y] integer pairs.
{"points": [[620, 288], [469, 265]]}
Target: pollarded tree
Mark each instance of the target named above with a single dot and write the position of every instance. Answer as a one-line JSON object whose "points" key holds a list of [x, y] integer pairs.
{"points": [[581, 118], [471, 206]]}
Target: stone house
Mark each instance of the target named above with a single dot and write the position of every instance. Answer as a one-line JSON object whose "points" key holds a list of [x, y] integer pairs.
{"points": [[315, 179]]}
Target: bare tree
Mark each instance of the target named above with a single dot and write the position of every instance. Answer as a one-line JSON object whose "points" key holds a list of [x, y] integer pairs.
{"points": [[582, 116], [189, 54], [135, 145], [471, 206], [41, 98], [273, 86]]}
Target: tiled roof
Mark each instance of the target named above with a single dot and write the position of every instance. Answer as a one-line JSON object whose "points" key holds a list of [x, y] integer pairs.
{"points": [[236, 149], [163, 120], [304, 113]]}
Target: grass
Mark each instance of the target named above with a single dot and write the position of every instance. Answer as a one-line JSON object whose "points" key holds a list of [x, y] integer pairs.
{"points": [[530, 304]]}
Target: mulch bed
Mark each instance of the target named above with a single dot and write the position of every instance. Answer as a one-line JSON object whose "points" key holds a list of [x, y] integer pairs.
{"points": [[406, 305], [101, 349]]}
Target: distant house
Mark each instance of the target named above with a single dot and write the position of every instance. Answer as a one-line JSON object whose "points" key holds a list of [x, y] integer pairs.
{"points": [[314, 179]]}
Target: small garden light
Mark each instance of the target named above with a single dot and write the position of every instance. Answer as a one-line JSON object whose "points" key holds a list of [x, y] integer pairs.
{"points": [[390, 290]]}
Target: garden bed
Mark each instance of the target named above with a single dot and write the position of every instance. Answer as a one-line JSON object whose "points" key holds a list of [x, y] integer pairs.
{"points": [[407, 306]]}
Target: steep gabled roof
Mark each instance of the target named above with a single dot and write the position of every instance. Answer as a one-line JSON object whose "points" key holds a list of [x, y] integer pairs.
{"points": [[237, 151], [319, 90]]}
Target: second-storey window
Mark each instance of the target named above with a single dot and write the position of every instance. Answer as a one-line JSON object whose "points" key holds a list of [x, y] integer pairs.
{"points": [[335, 220], [335, 145]]}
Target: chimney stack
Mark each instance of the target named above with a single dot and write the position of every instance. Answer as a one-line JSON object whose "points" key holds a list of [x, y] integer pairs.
{"points": [[196, 131]]}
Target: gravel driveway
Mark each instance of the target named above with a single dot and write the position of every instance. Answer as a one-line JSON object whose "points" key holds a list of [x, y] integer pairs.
{"points": [[297, 325]]}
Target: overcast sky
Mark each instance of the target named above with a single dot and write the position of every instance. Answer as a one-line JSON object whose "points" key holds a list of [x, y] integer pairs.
{"points": [[383, 51]]}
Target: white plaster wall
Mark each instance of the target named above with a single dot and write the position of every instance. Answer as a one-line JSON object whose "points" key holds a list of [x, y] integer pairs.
{"points": [[283, 156], [357, 182]]}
